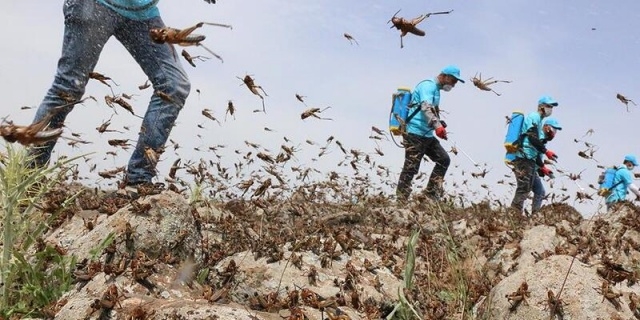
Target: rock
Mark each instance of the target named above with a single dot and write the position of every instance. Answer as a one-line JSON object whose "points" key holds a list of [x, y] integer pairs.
{"points": [[580, 298], [537, 239], [168, 226], [261, 277], [460, 228]]}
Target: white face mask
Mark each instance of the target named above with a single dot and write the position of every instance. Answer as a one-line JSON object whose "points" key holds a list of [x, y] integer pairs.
{"points": [[547, 111], [447, 87]]}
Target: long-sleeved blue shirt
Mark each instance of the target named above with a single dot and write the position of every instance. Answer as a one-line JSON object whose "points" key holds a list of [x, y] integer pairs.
{"points": [[621, 181], [533, 121], [425, 122], [133, 9]]}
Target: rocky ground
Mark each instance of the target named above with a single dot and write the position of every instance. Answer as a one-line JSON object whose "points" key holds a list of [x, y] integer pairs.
{"points": [[162, 257]]}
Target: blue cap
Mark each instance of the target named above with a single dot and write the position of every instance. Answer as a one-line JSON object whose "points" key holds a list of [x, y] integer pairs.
{"points": [[553, 123], [453, 71], [631, 158], [547, 100]]}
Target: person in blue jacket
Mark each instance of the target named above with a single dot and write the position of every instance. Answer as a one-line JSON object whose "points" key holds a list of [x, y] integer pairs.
{"points": [[89, 24], [524, 164], [550, 127], [623, 182], [422, 131]]}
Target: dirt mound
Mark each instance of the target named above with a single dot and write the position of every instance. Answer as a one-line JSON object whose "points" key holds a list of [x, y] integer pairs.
{"points": [[271, 259]]}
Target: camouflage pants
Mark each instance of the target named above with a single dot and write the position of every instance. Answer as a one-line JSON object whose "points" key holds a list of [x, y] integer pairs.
{"points": [[416, 147]]}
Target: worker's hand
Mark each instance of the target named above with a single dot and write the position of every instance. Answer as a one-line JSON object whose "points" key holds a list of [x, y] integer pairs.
{"points": [[441, 132], [551, 155], [544, 171]]}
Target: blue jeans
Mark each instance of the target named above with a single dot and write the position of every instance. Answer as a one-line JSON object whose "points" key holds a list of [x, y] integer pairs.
{"points": [[538, 194], [88, 26]]}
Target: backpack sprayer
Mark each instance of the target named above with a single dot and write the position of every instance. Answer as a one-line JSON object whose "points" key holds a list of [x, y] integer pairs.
{"points": [[513, 137], [399, 117]]}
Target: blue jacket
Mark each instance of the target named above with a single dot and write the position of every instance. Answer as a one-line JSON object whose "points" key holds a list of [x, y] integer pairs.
{"points": [[133, 9], [426, 91], [622, 180]]}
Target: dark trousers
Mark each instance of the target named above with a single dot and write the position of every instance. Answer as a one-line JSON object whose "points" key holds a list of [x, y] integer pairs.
{"points": [[524, 170], [416, 147]]}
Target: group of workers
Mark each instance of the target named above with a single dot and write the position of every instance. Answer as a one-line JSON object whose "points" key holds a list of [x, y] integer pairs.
{"points": [[528, 161]]}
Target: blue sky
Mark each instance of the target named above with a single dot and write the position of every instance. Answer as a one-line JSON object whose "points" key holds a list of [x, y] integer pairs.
{"points": [[289, 47]]}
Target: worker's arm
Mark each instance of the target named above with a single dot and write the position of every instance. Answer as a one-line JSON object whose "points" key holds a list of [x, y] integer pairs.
{"points": [[534, 139], [634, 189], [431, 115]]}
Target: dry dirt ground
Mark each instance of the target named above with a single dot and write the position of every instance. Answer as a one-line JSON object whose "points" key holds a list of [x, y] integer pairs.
{"points": [[306, 259]]}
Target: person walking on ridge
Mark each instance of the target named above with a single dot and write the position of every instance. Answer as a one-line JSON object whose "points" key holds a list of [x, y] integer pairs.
{"points": [[531, 147], [623, 182], [550, 127], [89, 24], [422, 129]]}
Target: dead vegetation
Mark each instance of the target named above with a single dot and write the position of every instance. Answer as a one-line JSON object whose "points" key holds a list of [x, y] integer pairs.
{"points": [[356, 252]]}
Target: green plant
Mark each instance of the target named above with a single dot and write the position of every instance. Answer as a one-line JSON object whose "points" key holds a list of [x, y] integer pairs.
{"points": [[30, 278], [97, 252], [202, 276], [196, 195], [38, 281], [403, 309], [460, 292]]}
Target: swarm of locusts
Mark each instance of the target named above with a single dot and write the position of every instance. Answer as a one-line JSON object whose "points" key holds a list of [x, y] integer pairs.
{"points": [[313, 225], [319, 227], [316, 227]]}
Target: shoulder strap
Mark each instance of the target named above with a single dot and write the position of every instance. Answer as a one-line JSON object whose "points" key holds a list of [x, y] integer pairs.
{"points": [[524, 135], [520, 139], [418, 108], [413, 113], [619, 182]]}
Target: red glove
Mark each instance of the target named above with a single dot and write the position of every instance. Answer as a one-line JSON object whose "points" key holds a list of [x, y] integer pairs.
{"points": [[441, 132], [546, 171], [551, 155]]}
